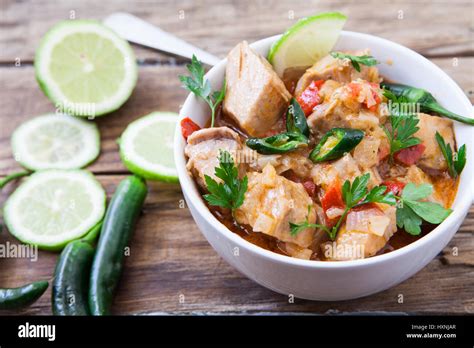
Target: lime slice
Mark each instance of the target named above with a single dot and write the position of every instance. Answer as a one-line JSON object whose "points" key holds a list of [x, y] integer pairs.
{"points": [[56, 141], [306, 42], [53, 207], [85, 68], [146, 146]]}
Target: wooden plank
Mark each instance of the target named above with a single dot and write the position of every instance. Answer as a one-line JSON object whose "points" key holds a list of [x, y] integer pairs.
{"points": [[158, 88], [169, 259], [442, 28]]}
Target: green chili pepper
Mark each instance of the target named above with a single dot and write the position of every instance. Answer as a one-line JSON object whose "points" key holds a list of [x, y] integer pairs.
{"points": [[336, 143], [425, 100], [296, 119], [71, 279], [296, 135], [279, 143], [22, 296], [117, 229]]}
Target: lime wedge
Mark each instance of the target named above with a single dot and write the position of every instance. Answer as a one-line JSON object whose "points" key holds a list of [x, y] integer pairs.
{"points": [[146, 146], [306, 42], [56, 141], [53, 207], [85, 68]]}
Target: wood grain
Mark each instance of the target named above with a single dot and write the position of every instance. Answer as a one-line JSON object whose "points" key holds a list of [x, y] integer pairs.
{"points": [[168, 259], [443, 28], [158, 88]]}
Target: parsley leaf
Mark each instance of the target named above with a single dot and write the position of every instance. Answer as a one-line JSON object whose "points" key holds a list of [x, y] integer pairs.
{"points": [[434, 213], [201, 87], [408, 220], [231, 192], [400, 135], [412, 192], [356, 60], [297, 228], [455, 160], [378, 195], [354, 194], [411, 212]]}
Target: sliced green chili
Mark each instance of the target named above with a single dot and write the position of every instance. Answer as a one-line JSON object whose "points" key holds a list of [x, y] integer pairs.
{"points": [[279, 143], [336, 143], [296, 135]]}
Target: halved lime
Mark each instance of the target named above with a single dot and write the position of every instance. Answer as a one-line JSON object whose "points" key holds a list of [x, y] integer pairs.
{"points": [[56, 141], [53, 207], [146, 146], [85, 68], [307, 41]]}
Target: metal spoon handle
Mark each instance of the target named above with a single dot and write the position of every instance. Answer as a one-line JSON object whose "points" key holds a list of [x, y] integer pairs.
{"points": [[136, 30]]}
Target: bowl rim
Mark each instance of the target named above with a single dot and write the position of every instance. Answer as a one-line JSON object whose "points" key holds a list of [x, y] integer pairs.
{"points": [[191, 192]]}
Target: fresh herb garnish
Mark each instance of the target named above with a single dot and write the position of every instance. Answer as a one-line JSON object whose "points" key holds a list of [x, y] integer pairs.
{"points": [[411, 211], [231, 192], [400, 135], [201, 87], [455, 160], [356, 60], [297, 228], [354, 194]]}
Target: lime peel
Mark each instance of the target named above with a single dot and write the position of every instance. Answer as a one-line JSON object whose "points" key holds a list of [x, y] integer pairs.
{"points": [[98, 71], [53, 207], [286, 52], [146, 146], [56, 141]]}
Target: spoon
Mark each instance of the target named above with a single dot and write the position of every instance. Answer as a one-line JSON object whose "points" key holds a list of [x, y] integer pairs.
{"points": [[136, 30]]}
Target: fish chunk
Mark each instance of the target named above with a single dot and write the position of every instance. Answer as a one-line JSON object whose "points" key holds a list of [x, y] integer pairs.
{"points": [[366, 153], [432, 158], [272, 202], [345, 168], [340, 70], [203, 150], [255, 96], [364, 233], [418, 177]]}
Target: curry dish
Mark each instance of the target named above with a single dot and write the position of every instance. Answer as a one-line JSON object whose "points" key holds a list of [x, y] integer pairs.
{"points": [[328, 169]]}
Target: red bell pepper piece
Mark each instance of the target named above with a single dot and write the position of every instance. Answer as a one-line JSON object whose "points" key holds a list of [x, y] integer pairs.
{"points": [[395, 186], [332, 199], [410, 155], [188, 127], [355, 90], [310, 97]]}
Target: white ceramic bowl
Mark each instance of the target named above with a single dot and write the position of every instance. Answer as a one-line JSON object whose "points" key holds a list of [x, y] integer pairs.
{"points": [[321, 280]]}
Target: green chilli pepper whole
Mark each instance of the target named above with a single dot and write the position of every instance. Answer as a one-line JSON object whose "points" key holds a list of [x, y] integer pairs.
{"points": [[117, 228], [71, 279], [296, 135], [22, 296], [424, 100], [336, 143]]}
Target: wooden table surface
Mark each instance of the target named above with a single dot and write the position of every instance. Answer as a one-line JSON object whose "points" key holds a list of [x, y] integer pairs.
{"points": [[172, 269]]}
